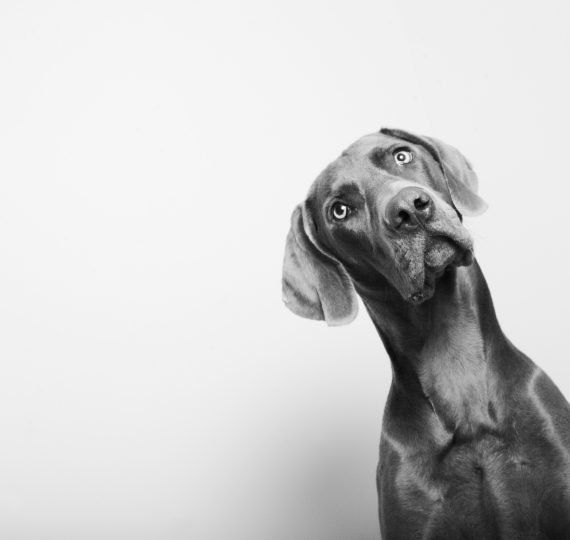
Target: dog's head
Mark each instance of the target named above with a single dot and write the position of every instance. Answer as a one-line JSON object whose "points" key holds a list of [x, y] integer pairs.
{"points": [[387, 213]]}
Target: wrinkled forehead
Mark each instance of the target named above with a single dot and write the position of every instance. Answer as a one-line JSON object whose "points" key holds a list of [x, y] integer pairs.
{"points": [[355, 165]]}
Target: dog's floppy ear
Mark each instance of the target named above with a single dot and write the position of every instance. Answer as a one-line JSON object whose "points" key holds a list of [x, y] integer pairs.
{"points": [[315, 286], [461, 179]]}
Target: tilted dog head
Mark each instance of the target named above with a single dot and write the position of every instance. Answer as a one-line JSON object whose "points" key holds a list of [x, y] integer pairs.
{"points": [[386, 213]]}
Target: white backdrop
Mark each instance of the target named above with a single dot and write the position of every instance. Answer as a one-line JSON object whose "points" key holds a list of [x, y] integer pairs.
{"points": [[153, 386]]}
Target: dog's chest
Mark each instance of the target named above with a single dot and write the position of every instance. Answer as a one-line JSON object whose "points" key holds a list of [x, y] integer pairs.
{"points": [[463, 483]]}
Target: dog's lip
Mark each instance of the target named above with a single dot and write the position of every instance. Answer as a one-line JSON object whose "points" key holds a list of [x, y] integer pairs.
{"points": [[457, 235], [426, 291], [461, 255], [428, 288], [440, 243]]}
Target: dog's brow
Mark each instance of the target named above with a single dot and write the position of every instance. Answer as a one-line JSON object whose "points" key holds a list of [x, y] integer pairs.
{"points": [[377, 155], [349, 190]]}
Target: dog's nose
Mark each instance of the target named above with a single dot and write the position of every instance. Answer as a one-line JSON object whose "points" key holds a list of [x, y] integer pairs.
{"points": [[409, 208]]}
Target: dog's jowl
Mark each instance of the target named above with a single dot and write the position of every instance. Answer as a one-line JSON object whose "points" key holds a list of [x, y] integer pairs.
{"points": [[475, 439]]}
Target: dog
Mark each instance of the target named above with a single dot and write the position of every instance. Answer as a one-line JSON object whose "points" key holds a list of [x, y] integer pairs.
{"points": [[475, 440]]}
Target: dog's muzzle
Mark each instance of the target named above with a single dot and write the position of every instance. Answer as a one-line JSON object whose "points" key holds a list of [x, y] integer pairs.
{"points": [[433, 236]]}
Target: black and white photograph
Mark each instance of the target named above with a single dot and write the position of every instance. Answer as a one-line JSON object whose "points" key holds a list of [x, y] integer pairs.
{"points": [[284, 270]]}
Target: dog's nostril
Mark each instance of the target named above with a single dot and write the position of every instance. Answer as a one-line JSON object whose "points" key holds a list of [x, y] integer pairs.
{"points": [[405, 217], [422, 202]]}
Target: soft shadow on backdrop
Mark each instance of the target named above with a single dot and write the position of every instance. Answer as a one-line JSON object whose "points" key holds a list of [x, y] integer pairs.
{"points": [[153, 386]]}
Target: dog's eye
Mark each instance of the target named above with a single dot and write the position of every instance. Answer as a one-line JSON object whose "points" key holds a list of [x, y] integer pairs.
{"points": [[340, 211], [401, 157]]}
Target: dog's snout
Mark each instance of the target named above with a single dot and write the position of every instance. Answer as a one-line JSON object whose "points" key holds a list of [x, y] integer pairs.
{"points": [[410, 208]]}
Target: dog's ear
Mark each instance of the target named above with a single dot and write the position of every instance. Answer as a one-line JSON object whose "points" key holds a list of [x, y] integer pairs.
{"points": [[315, 286], [461, 179]]}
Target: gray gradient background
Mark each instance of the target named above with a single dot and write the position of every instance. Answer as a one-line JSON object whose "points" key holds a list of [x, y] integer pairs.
{"points": [[153, 386]]}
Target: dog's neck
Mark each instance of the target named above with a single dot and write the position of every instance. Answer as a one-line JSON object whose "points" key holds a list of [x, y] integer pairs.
{"points": [[443, 349]]}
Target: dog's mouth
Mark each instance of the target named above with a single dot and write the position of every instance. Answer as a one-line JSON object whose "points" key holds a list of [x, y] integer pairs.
{"points": [[440, 255], [428, 255]]}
